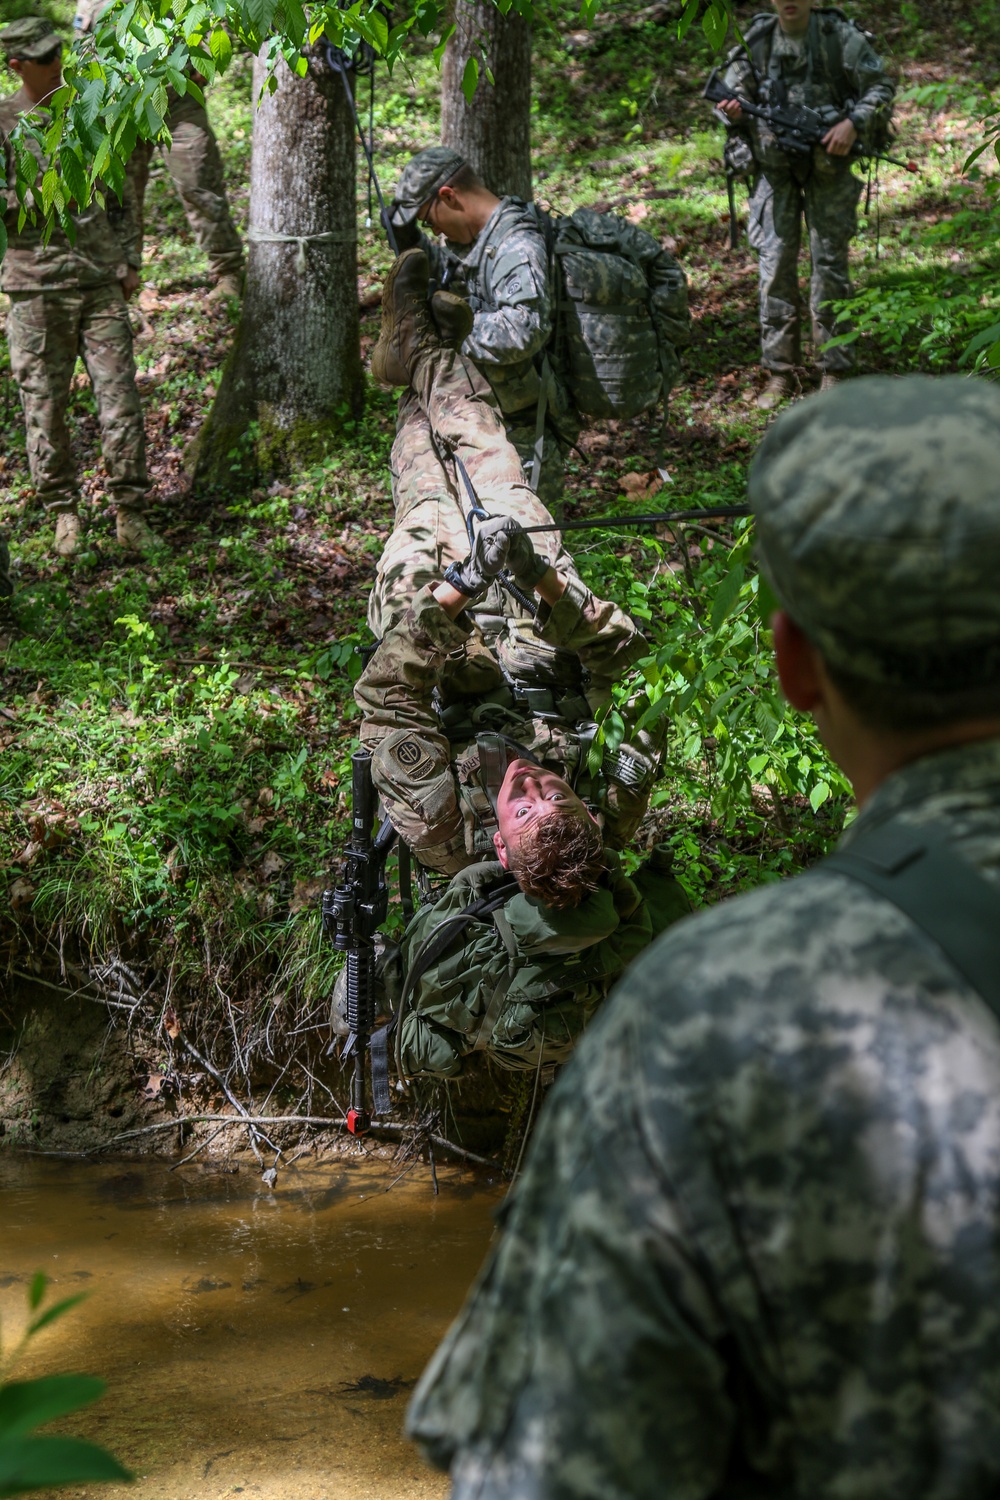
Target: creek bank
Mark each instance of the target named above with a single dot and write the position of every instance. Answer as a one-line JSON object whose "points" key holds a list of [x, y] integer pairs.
{"points": [[78, 1077]]}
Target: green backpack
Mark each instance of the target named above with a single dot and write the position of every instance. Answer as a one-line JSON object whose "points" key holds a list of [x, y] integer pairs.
{"points": [[621, 314]]}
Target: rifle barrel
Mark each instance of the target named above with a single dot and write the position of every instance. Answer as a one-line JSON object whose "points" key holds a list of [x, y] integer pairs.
{"points": [[658, 518]]}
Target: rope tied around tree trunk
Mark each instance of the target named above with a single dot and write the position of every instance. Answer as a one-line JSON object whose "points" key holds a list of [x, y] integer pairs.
{"points": [[328, 237]]}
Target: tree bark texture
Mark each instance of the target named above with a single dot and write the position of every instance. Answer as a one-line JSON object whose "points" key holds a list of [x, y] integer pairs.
{"points": [[493, 133], [294, 372]]}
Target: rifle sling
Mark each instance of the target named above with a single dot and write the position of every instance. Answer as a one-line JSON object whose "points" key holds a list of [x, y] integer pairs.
{"points": [[951, 902]]}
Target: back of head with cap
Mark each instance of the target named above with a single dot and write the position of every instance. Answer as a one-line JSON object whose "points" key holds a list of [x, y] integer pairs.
{"points": [[423, 176], [878, 528], [29, 39]]}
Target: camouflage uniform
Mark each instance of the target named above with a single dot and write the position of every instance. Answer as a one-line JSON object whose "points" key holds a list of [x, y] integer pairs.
{"points": [[504, 276], [66, 300], [833, 67], [195, 165], [575, 651], [754, 1249]]}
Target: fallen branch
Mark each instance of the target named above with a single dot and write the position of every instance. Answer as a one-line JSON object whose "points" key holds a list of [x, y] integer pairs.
{"points": [[320, 1120]]}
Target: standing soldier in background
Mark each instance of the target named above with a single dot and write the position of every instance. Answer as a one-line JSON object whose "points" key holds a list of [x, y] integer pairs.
{"points": [[68, 299], [816, 58], [196, 170], [495, 257]]}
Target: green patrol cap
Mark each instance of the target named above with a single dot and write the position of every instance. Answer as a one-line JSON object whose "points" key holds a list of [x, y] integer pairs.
{"points": [[878, 526], [424, 175], [29, 39]]}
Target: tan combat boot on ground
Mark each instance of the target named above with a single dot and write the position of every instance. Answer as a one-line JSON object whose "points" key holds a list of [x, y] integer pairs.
{"points": [[229, 285], [453, 318], [778, 388], [134, 532], [407, 325], [829, 381], [68, 533]]}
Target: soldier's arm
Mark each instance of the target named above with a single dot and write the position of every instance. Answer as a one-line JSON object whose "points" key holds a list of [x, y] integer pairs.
{"points": [[520, 324], [125, 225], [606, 640], [411, 757], [871, 86]]}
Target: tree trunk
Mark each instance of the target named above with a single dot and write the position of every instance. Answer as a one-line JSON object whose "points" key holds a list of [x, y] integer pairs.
{"points": [[294, 371], [493, 133]]}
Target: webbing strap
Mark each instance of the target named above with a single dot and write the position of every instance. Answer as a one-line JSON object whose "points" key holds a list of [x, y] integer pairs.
{"points": [[943, 894], [540, 414], [379, 1047]]}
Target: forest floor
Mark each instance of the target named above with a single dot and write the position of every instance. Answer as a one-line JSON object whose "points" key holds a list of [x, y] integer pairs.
{"points": [[176, 733]]}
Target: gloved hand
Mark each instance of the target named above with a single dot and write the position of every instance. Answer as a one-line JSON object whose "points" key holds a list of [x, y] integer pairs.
{"points": [[487, 558], [407, 235], [525, 565], [453, 317]]}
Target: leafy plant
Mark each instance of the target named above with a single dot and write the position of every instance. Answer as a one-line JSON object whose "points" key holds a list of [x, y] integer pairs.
{"points": [[32, 1462]]}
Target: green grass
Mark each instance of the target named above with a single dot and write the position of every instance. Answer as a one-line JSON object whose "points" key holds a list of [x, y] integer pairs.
{"points": [[177, 732]]}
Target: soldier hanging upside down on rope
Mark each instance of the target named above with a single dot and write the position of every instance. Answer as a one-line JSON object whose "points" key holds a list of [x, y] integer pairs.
{"points": [[479, 709]]}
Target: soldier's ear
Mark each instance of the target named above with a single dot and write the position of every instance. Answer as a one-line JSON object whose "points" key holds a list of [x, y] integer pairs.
{"points": [[501, 849], [798, 663]]}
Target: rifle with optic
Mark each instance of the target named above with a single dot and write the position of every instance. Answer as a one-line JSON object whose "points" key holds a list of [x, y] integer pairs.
{"points": [[796, 128]]}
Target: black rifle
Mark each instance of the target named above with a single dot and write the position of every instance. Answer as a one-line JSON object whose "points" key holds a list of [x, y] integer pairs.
{"points": [[796, 128], [352, 914]]}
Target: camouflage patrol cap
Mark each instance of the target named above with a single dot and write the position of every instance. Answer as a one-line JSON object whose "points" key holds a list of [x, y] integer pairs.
{"points": [[422, 177], [29, 39], [878, 525]]}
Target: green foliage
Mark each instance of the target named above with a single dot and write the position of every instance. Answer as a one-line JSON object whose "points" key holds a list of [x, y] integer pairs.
{"points": [[29, 1462]]}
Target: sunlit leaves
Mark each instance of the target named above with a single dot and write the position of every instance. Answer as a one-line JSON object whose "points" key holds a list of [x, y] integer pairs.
{"points": [[470, 79]]}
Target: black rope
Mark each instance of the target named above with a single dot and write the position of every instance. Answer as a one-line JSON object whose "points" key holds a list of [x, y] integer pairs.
{"points": [[361, 63]]}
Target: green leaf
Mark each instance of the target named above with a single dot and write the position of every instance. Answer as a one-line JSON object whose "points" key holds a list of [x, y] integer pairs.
{"points": [[37, 1290], [3, 239], [29, 1403], [220, 47], [687, 19], [470, 78], [715, 24], [819, 794], [726, 597], [35, 1463], [74, 176], [55, 1311]]}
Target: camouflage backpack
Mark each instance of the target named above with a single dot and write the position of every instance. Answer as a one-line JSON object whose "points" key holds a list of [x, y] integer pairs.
{"points": [[621, 313]]}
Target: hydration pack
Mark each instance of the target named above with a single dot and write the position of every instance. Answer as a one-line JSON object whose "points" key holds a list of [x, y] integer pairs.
{"points": [[621, 314]]}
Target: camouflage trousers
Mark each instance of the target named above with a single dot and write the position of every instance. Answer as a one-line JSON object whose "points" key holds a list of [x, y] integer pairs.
{"points": [[828, 201], [46, 331], [450, 410], [195, 168]]}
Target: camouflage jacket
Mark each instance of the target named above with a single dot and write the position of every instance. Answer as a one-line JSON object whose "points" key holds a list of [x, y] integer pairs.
{"points": [[522, 984], [504, 275], [833, 68], [107, 244], [431, 685], [764, 1198]]}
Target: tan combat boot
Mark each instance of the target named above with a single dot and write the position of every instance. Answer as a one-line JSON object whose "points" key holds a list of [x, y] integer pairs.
{"points": [[453, 318], [777, 389], [829, 381], [229, 285], [68, 533], [134, 532], [407, 325]]}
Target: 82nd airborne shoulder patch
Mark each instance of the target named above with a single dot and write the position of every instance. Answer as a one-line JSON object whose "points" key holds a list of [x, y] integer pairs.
{"points": [[412, 757]]}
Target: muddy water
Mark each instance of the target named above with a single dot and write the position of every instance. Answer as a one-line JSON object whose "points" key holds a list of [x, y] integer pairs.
{"points": [[253, 1342]]}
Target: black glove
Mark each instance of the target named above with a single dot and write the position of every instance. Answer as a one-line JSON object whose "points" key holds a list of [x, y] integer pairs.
{"points": [[487, 558], [407, 236]]}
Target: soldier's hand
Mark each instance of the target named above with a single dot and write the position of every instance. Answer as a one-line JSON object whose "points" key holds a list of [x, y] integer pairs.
{"points": [[407, 236], [732, 109], [130, 283], [487, 558], [840, 139], [525, 564]]}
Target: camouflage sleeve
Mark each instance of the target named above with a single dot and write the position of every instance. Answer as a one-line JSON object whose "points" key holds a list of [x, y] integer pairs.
{"points": [[595, 1241], [606, 640], [125, 225], [518, 323], [871, 87], [411, 757], [738, 75]]}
